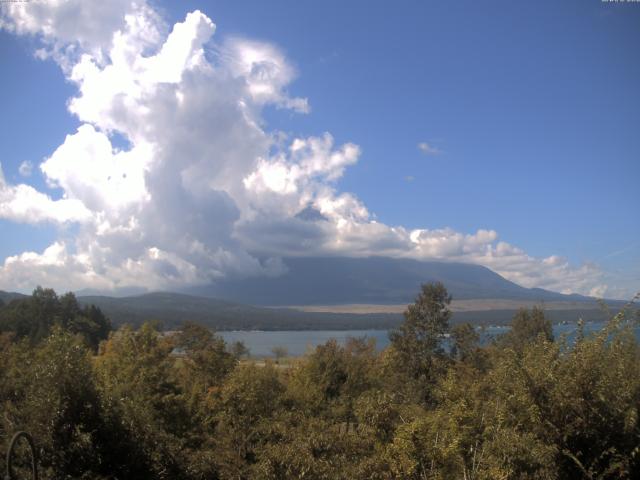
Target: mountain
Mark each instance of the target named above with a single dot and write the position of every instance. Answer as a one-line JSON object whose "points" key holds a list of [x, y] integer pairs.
{"points": [[480, 296], [372, 280], [6, 297]]}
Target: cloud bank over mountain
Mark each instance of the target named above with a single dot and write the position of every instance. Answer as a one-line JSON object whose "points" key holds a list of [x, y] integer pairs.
{"points": [[203, 188]]}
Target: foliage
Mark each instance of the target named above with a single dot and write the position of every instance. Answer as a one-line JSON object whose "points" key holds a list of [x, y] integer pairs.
{"points": [[49, 390], [151, 405], [418, 341], [279, 352], [33, 317], [526, 327]]}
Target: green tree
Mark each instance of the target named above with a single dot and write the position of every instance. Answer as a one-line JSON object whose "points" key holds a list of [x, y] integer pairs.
{"points": [[207, 359], [49, 390], [33, 317], [88, 321], [319, 378], [418, 340], [526, 327], [464, 340], [134, 374], [238, 349], [249, 398]]}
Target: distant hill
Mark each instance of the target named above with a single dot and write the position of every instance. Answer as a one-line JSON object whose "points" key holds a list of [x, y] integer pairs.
{"points": [[6, 297], [373, 280], [488, 298], [172, 309]]}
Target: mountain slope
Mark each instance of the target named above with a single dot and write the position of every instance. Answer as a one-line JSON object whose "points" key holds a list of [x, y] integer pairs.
{"points": [[373, 280], [6, 297], [487, 297]]}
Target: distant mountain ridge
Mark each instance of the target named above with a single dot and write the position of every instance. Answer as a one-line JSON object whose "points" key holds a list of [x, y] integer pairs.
{"points": [[371, 280], [172, 309], [258, 303], [6, 297]]}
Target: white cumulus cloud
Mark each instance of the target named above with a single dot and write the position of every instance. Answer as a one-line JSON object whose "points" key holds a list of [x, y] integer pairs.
{"points": [[24, 204]]}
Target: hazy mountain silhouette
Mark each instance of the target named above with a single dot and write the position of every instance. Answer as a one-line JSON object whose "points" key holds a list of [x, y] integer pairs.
{"points": [[240, 303], [373, 280]]}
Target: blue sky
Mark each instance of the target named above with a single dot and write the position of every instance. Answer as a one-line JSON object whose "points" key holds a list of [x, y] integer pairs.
{"points": [[533, 109]]}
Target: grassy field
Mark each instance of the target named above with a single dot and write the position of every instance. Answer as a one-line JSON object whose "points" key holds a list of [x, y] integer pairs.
{"points": [[478, 305]]}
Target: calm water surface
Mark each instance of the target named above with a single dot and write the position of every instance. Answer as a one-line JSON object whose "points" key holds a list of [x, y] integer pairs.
{"points": [[260, 343]]}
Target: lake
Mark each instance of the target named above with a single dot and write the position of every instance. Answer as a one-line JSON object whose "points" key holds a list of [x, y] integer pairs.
{"points": [[297, 342]]}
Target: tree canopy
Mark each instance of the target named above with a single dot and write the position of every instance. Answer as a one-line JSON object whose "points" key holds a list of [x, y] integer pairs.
{"points": [[34, 317], [436, 404]]}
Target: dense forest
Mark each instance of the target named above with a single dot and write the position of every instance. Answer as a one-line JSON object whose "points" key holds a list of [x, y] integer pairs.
{"points": [[140, 404]]}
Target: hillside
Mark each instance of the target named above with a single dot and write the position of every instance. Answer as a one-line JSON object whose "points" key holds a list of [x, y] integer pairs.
{"points": [[373, 280], [6, 297], [340, 293], [172, 309]]}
